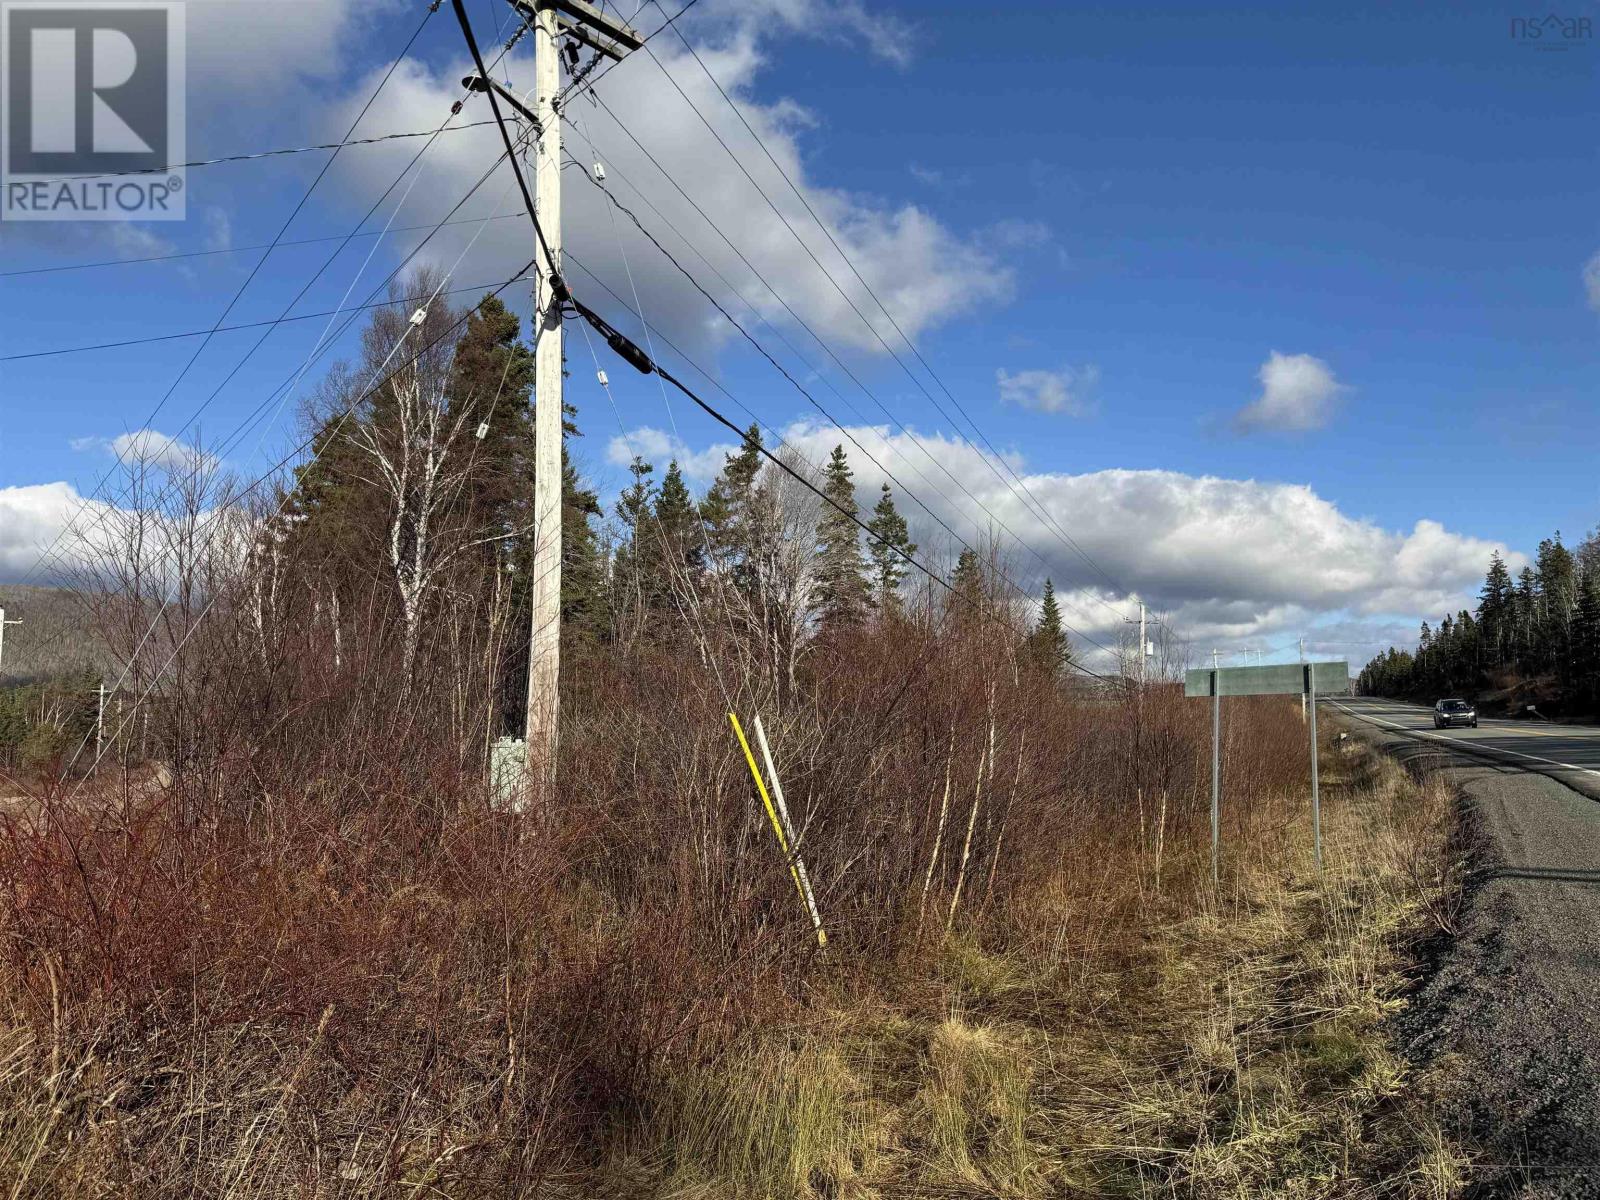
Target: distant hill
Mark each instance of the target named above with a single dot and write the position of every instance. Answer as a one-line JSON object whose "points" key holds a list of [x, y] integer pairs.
{"points": [[53, 639]]}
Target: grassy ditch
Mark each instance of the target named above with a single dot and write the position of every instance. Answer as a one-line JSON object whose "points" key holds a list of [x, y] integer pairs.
{"points": [[1224, 1049], [1117, 1030]]}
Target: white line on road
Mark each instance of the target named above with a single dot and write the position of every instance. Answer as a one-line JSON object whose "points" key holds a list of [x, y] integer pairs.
{"points": [[1490, 750]]}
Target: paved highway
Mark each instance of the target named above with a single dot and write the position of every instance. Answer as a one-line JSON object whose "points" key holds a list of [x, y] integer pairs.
{"points": [[1510, 1016], [1570, 753]]}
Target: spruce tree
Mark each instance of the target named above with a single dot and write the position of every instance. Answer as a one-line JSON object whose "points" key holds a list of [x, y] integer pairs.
{"points": [[634, 555], [1586, 643], [738, 515], [842, 596], [891, 549], [966, 603], [1048, 643], [677, 527], [1496, 616]]}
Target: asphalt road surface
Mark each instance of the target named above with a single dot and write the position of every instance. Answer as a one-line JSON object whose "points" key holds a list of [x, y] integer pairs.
{"points": [[1509, 1019]]}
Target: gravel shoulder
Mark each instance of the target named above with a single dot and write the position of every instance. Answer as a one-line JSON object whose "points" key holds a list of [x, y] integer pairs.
{"points": [[1505, 1027]]}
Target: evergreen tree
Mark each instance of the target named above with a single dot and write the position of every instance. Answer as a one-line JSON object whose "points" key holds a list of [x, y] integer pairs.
{"points": [[1496, 611], [634, 555], [966, 602], [676, 524], [1557, 596], [1048, 643], [741, 517], [726, 508], [1524, 609], [890, 547], [1586, 642], [842, 597]]}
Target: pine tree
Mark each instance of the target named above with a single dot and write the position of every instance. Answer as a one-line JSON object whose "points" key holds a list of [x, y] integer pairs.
{"points": [[682, 547], [1586, 642], [1496, 612], [1048, 643], [1524, 610], [842, 597], [891, 548], [966, 602], [1558, 594], [727, 503], [633, 559], [739, 516]]}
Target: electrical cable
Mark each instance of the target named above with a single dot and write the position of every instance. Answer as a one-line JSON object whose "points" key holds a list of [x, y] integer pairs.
{"points": [[801, 388], [254, 271], [632, 354], [822, 344], [1032, 504], [259, 154]]}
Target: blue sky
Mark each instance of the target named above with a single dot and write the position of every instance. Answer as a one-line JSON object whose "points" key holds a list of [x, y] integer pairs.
{"points": [[1243, 295]]}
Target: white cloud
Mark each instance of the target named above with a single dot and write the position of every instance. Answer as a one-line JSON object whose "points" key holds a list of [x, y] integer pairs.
{"points": [[149, 447], [32, 518], [923, 270], [1231, 561], [1591, 281], [660, 448], [1298, 393], [1047, 391]]}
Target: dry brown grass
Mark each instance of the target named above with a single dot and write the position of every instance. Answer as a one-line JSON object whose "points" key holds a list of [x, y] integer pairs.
{"points": [[314, 966]]}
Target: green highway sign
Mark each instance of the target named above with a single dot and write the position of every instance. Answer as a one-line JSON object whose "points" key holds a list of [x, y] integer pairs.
{"points": [[1285, 679]]}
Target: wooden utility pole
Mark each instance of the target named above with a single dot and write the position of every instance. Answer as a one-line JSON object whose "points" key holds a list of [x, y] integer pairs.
{"points": [[588, 25], [544, 638]]}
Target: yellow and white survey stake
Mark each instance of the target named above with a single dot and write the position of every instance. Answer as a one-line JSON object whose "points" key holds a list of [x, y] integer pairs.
{"points": [[778, 814]]}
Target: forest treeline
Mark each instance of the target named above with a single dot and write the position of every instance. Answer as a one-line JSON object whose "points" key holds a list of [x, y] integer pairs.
{"points": [[1540, 629]]}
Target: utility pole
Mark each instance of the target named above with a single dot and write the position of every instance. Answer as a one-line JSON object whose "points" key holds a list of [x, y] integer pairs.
{"points": [[1302, 694], [100, 726], [609, 37], [544, 635], [3, 624], [1144, 646]]}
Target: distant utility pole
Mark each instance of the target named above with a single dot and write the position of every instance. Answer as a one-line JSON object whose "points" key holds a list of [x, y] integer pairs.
{"points": [[3, 624], [1144, 645], [1302, 694], [552, 19], [100, 725]]}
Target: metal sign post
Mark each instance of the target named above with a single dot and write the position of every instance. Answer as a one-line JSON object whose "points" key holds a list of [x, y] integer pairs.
{"points": [[1216, 774], [1307, 680], [1308, 700]]}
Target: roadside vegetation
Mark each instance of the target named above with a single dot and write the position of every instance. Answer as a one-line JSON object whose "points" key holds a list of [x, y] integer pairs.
{"points": [[294, 946], [1533, 640]]}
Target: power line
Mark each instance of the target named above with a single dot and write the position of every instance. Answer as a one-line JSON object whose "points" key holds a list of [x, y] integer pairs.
{"points": [[811, 399], [259, 154], [171, 337], [631, 353], [332, 237], [366, 107], [1036, 508], [815, 336], [251, 418]]}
